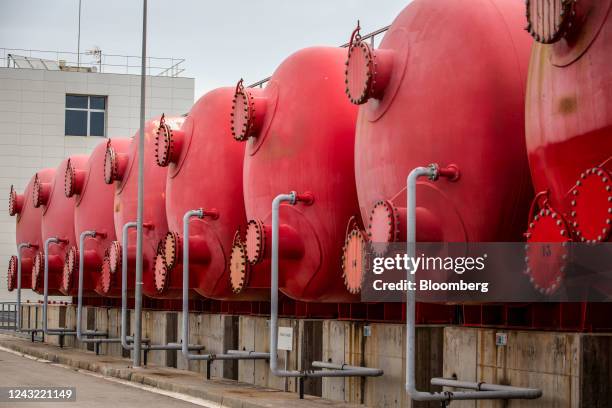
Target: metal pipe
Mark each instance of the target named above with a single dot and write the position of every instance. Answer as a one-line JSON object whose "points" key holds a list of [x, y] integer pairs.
{"points": [[139, 234], [124, 295], [126, 341], [19, 248], [185, 347], [80, 334], [433, 172], [335, 371], [481, 386], [46, 330]]}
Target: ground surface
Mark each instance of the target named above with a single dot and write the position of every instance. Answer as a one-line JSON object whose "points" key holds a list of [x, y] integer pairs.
{"points": [[91, 391]]}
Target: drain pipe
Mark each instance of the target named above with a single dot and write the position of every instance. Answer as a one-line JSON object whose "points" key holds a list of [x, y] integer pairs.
{"points": [[124, 294], [18, 325], [79, 333], [482, 390], [127, 342], [209, 358], [46, 331], [331, 370]]}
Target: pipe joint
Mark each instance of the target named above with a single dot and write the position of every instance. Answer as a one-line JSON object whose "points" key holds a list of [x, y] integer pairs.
{"points": [[306, 198], [213, 214], [450, 172]]}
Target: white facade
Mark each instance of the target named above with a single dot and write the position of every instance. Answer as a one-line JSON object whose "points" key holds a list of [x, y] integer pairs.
{"points": [[32, 116]]}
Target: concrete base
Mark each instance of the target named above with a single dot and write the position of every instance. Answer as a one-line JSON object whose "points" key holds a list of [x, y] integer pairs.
{"points": [[572, 369], [217, 333]]}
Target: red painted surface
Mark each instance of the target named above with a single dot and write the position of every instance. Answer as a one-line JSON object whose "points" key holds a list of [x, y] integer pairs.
{"points": [[301, 129], [453, 94], [568, 119], [94, 200], [28, 220], [205, 171], [126, 200], [57, 222]]}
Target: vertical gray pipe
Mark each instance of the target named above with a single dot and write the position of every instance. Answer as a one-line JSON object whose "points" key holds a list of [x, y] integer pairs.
{"points": [[19, 248], [124, 294], [291, 198], [188, 215], [410, 302], [82, 237], [141, 141], [432, 172], [46, 281], [342, 370]]}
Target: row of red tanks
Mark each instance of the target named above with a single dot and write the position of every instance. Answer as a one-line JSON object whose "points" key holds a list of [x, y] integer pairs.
{"points": [[451, 83]]}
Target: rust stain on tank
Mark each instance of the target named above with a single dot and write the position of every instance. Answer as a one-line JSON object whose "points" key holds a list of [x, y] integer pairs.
{"points": [[567, 105]]}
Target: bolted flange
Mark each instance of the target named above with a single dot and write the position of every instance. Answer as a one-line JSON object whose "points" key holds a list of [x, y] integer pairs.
{"points": [[549, 20], [71, 268], [11, 275], [114, 256], [40, 192], [15, 202], [591, 204], [255, 241], [107, 276], [353, 260], [239, 267], [162, 274], [37, 271], [546, 251], [171, 249]]}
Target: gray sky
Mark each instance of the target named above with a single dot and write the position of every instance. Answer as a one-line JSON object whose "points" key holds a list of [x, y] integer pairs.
{"points": [[222, 40]]}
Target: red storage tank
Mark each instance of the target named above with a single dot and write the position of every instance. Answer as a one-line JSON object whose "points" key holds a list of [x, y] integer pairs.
{"points": [[121, 167], [94, 200], [28, 231], [569, 127], [57, 222], [300, 132], [204, 171], [445, 86]]}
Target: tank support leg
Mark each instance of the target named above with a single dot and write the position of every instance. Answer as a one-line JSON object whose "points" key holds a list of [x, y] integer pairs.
{"points": [[301, 387], [208, 364], [61, 341]]}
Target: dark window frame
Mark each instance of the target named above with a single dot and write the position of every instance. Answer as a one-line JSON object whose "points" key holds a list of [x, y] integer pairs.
{"points": [[89, 110]]}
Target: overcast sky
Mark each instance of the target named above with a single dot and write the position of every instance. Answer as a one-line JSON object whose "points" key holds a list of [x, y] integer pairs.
{"points": [[221, 40]]}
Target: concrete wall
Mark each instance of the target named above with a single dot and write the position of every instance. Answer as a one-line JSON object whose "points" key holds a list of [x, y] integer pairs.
{"points": [[217, 333], [32, 114], [574, 370]]}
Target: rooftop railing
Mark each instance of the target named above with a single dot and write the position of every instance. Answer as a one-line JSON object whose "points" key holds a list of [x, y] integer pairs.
{"points": [[374, 36], [90, 61]]}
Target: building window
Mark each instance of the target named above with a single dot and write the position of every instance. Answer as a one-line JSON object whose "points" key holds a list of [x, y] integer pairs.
{"points": [[85, 115]]}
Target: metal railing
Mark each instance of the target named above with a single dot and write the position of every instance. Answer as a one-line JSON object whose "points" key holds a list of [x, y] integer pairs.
{"points": [[373, 37], [8, 315], [90, 61]]}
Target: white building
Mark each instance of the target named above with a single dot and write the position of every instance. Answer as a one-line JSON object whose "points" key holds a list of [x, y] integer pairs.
{"points": [[49, 111]]}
